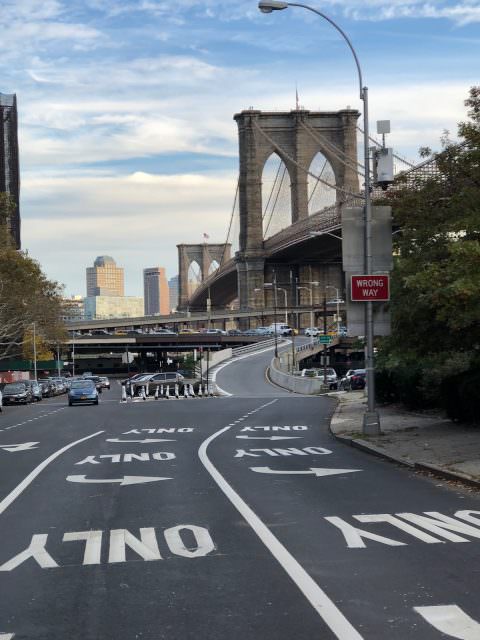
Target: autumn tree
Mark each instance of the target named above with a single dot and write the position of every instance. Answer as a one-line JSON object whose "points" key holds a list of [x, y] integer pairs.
{"points": [[26, 296]]}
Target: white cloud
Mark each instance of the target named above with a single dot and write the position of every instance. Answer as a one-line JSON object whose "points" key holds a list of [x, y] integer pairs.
{"points": [[135, 218]]}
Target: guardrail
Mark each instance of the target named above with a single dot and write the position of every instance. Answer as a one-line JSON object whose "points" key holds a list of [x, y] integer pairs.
{"points": [[251, 348]]}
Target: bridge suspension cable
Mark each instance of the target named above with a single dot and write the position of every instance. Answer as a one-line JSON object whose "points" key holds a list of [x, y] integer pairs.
{"points": [[338, 153], [281, 152], [377, 143]]}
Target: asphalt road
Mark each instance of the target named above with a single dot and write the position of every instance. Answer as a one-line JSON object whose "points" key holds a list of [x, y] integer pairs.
{"points": [[237, 517]]}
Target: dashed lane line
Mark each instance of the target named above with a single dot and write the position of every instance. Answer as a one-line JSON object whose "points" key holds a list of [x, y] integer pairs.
{"points": [[13, 495], [20, 424], [319, 600]]}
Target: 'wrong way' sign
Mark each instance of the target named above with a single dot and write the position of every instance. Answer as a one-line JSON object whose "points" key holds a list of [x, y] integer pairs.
{"points": [[370, 287]]}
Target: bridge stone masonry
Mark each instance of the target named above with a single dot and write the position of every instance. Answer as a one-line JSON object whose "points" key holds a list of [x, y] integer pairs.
{"points": [[296, 137]]}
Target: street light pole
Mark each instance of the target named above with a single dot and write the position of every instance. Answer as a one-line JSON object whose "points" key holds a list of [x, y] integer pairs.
{"points": [[310, 290], [371, 420], [34, 352], [337, 298]]}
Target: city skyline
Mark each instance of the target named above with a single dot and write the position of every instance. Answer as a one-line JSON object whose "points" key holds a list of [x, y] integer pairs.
{"points": [[146, 154]]}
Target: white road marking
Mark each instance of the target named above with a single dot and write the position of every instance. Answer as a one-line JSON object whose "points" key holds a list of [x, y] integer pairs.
{"points": [[13, 495], [126, 480], [6, 636], [319, 600], [26, 446], [268, 437], [312, 471], [451, 620], [147, 441]]}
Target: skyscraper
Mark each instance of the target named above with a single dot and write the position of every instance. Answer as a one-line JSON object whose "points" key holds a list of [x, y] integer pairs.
{"points": [[173, 288], [156, 294], [105, 278], [9, 164]]}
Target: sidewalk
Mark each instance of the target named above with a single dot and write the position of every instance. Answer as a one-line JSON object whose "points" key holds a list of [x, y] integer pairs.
{"points": [[426, 441]]}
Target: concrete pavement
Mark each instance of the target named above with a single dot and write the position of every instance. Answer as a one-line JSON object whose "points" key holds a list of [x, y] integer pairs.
{"points": [[426, 441]]}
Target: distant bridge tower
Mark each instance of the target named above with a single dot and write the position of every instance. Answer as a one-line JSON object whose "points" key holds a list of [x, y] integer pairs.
{"points": [[205, 255], [296, 137]]}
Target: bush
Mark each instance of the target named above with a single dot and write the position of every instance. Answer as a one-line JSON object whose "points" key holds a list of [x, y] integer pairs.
{"points": [[402, 383], [461, 398]]}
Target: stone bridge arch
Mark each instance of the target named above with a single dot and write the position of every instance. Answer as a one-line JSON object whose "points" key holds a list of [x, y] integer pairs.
{"points": [[204, 255], [289, 134]]}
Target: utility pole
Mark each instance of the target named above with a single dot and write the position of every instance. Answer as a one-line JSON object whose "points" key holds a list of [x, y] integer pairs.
{"points": [[324, 333], [34, 352]]}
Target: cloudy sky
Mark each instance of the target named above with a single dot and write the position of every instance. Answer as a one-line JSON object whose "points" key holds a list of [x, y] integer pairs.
{"points": [[127, 141]]}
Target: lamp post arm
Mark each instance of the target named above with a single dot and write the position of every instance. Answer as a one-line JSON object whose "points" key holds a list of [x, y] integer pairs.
{"points": [[344, 36]]}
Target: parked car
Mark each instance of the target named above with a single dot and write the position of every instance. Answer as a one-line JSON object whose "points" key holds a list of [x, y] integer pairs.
{"points": [[332, 378], [353, 379], [313, 332], [215, 332], [166, 377], [234, 332], [280, 329], [35, 389], [82, 392], [17, 393], [263, 331], [47, 388], [60, 385]]}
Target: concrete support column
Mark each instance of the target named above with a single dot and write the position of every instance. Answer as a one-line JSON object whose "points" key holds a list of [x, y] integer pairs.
{"points": [[251, 276]]}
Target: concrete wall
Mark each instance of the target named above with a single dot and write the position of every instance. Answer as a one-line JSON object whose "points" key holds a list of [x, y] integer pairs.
{"points": [[215, 358], [297, 384]]}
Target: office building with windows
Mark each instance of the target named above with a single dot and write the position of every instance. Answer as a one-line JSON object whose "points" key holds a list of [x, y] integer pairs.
{"points": [[9, 162], [156, 294], [105, 278]]}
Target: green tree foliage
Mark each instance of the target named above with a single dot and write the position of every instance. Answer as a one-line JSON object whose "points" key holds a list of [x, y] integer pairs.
{"points": [[436, 279], [26, 295]]}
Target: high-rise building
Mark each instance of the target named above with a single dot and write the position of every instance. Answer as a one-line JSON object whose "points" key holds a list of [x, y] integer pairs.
{"points": [[173, 288], [101, 307], [9, 163], [105, 278], [156, 294], [73, 309]]}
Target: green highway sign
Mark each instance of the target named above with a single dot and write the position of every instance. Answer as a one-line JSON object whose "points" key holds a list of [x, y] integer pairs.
{"points": [[325, 339]]}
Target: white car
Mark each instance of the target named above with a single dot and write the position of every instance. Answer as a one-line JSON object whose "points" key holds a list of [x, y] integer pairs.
{"points": [[332, 378], [313, 332]]}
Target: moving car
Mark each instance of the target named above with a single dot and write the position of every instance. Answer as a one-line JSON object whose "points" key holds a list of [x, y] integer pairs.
{"points": [[17, 393], [82, 392], [104, 382], [353, 379], [313, 332], [280, 329]]}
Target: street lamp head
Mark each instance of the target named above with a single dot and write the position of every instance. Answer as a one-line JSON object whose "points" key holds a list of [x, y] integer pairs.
{"points": [[267, 6]]}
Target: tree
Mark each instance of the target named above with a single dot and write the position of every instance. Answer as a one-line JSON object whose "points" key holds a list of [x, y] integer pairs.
{"points": [[436, 278], [26, 296]]}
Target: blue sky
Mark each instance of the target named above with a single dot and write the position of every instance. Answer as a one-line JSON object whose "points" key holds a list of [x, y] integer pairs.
{"points": [[128, 146]]}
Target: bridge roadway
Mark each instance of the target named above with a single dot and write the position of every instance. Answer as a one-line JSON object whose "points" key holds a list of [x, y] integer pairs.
{"points": [[237, 517]]}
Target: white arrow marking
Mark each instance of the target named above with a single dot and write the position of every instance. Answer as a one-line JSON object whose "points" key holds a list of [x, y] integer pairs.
{"points": [[26, 446], [269, 437], [312, 471], [451, 620], [121, 481], [147, 441], [6, 636]]}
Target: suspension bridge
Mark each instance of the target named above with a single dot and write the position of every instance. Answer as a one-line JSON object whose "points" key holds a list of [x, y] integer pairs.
{"points": [[298, 171]]}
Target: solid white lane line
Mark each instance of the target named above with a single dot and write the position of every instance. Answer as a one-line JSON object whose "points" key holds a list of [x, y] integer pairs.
{"points": [[319, 600], [451, 620], [13, 495]]}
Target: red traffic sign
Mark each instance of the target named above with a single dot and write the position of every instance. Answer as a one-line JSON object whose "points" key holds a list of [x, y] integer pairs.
{"points": [[370, 287]]}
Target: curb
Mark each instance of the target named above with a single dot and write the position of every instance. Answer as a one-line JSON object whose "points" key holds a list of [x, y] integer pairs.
{"points": [[440, 472]]}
